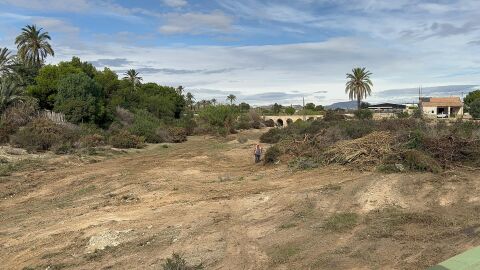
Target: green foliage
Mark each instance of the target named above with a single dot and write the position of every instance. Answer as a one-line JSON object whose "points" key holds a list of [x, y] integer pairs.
{"points": [[243, 122], [363, 114], [177, 262], [272, 136], [276, 108], [146, 124], [272, 155], [221, 116], [244, 107], [319, 108], [419, 161], [270, 123], [332, 115], [475, 109], [79, 97], [42, 134], [470, 98], [289, 110], [340, 222], [125, 139], [310, 106], [403, 115], [302, 163]]}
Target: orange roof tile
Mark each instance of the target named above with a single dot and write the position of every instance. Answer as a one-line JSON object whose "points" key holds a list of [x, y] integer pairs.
{"points": [[442, 101]]}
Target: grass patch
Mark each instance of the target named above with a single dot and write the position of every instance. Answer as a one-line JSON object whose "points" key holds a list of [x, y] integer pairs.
{"points": [[6, 169], [340, 222], [289, 225], [282, 254]]}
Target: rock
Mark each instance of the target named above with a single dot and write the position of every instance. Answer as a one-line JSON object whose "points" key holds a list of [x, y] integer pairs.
{"points": [[106, 239], [400, 167]]}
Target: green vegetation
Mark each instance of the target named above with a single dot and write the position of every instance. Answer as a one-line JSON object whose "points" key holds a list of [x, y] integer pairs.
{"points": [[340, 222], [272, 155], [359, 85], [474, 109], [177, 262]]}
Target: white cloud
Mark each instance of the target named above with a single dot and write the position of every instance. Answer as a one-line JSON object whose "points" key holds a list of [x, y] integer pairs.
{"points": [[196, 23], [175, 3]]}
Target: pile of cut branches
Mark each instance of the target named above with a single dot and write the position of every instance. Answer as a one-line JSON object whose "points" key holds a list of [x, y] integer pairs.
{"points": [[363, 152]]}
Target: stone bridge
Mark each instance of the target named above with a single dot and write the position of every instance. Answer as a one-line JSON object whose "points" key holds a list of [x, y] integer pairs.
{"points": [[284, 120]]}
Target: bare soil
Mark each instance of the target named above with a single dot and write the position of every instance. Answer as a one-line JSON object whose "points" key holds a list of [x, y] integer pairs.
{"points": [[208, 201]]}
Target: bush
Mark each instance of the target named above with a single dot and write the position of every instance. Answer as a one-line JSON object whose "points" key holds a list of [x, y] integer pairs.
{"points": [[93, 140], [242, 139], [475, 109], [331, 115], [363, 114], [221, 116], [302, 163], [176, 262], [341, 222], [272, 136], [41, 134], [272, 155], [270, 123], [14, 117], [146, 124], [125, 139], [418, 161], [243, 122], [177, 134], [403, 115]]}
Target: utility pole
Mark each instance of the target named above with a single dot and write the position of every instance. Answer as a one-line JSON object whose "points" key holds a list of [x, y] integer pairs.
{"points": [[303, 108]]}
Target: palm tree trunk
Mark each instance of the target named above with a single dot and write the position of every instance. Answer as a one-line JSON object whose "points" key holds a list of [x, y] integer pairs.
{"points": [[359, 102]]}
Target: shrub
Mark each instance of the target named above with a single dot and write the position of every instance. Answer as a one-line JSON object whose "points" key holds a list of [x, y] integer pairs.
{"points": [[402, 115], [303, 163], [176, 262], [243, 122], [357, 129], [363, 114], [41, 134], [145, 124], [93, 140], [331, 115], [475, 109], [221, 116], [242, 139], [270, 123], [419, 161], [272, 155], [14, 117], [125, 139], [124, 116], [177, 134], [272, 136]]}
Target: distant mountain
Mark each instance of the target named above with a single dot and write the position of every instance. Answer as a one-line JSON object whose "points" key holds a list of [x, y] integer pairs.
{"points": [[411, 94], [346, 105]]}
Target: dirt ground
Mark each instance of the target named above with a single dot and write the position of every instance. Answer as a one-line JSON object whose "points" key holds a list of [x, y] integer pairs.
{"points": [[206, 200]]}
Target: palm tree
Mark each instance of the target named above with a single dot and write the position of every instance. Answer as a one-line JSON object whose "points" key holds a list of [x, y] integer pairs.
{"points": [[132, 76], [10, 93], [190, 100], [359, 85], [5, 61], [33, 46], [231, 98], [180, 90], [214, 101]]}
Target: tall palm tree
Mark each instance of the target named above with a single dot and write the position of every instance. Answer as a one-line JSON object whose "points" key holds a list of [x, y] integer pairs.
{"points": [[231, 98], [132, 76], [214, 101], [10, 93], [5, 61], [180, 90], [358, 85], [190, 100], [33, 46]]}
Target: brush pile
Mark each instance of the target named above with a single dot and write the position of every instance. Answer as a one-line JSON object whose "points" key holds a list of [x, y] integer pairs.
{"points": [[366, 151]]}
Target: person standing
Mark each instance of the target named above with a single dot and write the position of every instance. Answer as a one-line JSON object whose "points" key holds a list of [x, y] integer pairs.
{"points": [[258, 153]]}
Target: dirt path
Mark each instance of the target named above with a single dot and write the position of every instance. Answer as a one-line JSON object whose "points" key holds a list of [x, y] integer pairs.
{"points": [[206, 200]]}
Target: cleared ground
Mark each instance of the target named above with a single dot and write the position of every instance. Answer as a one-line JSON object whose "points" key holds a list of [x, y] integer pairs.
{"points": [[206, 200]]}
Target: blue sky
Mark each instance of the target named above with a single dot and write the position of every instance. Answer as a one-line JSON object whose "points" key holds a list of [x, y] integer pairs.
{"points": [[264, 51]]}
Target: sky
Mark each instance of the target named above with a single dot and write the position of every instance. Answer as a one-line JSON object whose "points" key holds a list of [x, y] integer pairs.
{"points": [[266, 51]]}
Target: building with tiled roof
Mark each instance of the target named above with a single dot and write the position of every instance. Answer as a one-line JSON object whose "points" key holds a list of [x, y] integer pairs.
{"points": [[450, 107]]}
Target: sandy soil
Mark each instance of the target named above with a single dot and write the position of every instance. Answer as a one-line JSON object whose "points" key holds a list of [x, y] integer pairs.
{"points": [[206, 200]]}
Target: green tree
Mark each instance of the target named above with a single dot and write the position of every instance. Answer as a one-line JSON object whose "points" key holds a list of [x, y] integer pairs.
{"points": [[190, 100], [290, 110], [108, 80], [133, 77], [221, 116], [10, 93], [276, 108], [231, 98], [5, 61], [214, 101], [79, 97], [470, 98], [244, 107], [46, 83], [310, 106], [475, 108], [319, 108], [33, 45], [358, 85]]}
